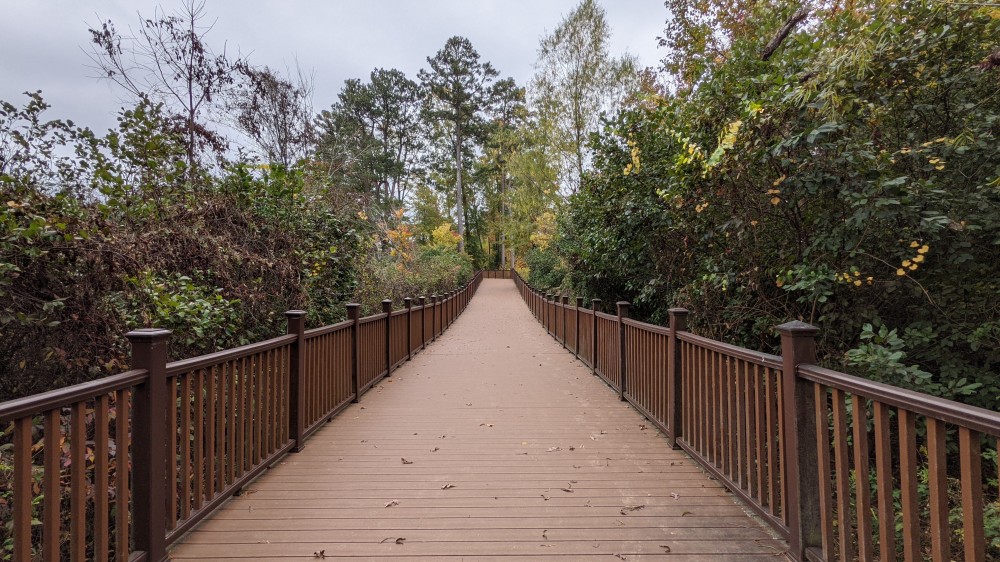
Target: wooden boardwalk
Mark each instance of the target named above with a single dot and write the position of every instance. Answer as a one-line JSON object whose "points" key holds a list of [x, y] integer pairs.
{"points": [[493, 444]]}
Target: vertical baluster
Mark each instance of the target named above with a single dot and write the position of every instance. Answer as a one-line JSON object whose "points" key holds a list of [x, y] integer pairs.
{"points": [[23, 494], [123, 519], [50, 487], [233, 406], [823, 469], [862, 484], [937, 475], [971, 457], [102, 454], [908, 485], [78, 482], [185, 443], [199, 439], [883, 472], [172, 459], [211, 431], [843, 477]]}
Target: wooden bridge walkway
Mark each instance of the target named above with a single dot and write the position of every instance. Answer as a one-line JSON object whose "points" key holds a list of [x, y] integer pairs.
{"points": [[493, 443]]}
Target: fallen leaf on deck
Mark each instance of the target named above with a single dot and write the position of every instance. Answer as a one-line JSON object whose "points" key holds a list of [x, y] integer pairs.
{"points": [[320, 554], [625, 510], [686, 513], [665, 548], [447, 486], [400, 540], [675, 495], [544, 536], [566, 490], [435, 449], [392, 503], [405, 461], [552, 449]]}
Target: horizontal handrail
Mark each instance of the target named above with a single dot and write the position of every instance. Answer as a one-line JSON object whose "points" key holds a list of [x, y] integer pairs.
{"points": [[229, 416], [316, 332], [63, 397], [948, 411], [202, 361], [762, 359], [801, 444]]}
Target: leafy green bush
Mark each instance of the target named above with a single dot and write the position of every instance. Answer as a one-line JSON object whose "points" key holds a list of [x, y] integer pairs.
{"points": [[850, 180]]}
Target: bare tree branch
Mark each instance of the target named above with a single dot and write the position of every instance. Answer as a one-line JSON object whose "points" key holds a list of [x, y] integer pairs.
{"points": [[772, 45]]}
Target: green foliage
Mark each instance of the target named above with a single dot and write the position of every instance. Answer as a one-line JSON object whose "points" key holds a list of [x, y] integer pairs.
{"points": [[432, 270], [195, 312], [116, 238], [545, 271], [850, 180]]}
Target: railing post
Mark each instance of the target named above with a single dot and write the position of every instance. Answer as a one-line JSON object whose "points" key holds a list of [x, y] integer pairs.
{"points": [[675, 428], [622, 315], [149, 443], [576, 343], [800, 449], [548, 313], [422, 301], [434, 308], [594, 305], [296, 393], [408, 303], [565, 313], [387, 309], [354, 314]]}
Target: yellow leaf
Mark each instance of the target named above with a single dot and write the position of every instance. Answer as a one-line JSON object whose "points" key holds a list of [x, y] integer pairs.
{"points": [[779, 180], [775, 200], [900, 272]]}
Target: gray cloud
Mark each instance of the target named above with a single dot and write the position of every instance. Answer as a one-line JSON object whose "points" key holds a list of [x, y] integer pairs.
{"points": [[42, 41]]}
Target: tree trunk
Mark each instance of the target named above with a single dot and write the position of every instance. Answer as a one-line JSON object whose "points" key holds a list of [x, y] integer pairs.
{"points": [[503, 221], [458, 188]]}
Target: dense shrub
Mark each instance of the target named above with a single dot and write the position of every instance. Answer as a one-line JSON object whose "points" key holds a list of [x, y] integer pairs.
{"points": [[850, 181]]}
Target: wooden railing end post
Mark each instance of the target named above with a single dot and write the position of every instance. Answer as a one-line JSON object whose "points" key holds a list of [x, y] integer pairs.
{"points": [[623, 307], [408, 303], [387, 309], [149, 443], [800, 447], [354, 314], [675, 376], [296, 322]]}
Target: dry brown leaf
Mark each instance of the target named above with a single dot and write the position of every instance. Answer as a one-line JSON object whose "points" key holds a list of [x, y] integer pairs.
{"points": [[627, 509], [400, 540], [392, 503], [320, 554], [435, 449], [447, 486], [405, 461]]}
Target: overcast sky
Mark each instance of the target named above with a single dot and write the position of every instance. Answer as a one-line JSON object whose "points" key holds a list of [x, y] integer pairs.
{"points": [[42, 41]]}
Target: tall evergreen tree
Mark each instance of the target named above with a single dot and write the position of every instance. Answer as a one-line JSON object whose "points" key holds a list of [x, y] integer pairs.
{"points": [[372, 135], [458, 87]]}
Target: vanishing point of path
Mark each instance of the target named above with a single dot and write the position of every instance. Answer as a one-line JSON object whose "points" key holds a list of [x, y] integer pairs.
{"points": [[492, 444]]}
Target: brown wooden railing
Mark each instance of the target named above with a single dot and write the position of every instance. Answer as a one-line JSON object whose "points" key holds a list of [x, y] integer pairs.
{"points": [[132, 461], [842, 467], [497, 274]]}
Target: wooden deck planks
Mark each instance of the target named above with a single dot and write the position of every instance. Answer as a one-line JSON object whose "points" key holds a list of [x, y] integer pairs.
{"points": [[513, 451]]}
